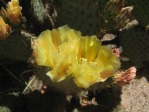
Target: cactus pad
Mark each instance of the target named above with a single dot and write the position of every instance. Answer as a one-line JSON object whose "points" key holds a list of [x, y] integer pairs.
{"points": [[135, 44], [14, 49], [82, 15]]}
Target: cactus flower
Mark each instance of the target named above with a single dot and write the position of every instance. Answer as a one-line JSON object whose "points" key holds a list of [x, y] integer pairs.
{"points": [[95, 63], [67, 52], [56, 49], [4, 29], [14, 11]]}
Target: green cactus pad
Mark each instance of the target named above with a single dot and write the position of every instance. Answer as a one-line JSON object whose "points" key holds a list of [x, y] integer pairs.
{"points": [[82, 15], [135, 44], [14, 49]]}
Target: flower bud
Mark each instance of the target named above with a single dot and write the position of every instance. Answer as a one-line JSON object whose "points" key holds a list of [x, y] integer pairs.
{"points": [[4, 29], [125, 76], [14, 11]]}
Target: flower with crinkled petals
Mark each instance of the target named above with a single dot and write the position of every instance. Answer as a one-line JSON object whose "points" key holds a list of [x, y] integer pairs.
{"points": [[56, 49], [4, 29], [95, 63], [67, 52]]}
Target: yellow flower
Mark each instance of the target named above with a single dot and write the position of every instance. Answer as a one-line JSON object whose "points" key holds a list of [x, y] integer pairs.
{"points": [[69, 53], [56, 49], [4, 29], [95, 63], [14, 11]]}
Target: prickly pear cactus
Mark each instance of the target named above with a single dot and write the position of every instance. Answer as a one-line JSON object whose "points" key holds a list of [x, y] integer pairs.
{"points": [[82, 15], [135, 44], [15, 48], [94, 16], [140, 11]]}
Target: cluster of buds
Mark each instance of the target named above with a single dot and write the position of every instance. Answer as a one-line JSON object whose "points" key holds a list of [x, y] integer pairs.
{"points": [[12, 14], [122, 14]]}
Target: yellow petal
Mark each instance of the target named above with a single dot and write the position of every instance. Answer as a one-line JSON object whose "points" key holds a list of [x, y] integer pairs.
{"points": [[91, 48]]}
